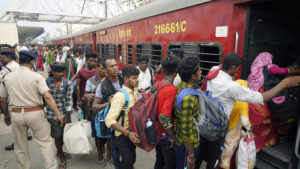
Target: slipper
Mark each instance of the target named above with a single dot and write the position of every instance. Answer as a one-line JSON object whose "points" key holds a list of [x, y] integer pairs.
{"points": [[102, 163], [62, 165]]}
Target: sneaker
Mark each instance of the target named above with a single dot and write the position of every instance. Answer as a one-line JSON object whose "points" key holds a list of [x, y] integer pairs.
{"points": [[10, 147]]}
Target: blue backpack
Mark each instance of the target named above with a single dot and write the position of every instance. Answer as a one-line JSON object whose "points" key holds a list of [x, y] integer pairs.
{"points": [[213, 122], [102, 130]]}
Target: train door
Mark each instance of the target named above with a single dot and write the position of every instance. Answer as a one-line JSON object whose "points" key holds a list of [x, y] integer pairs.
{"points": [[272, 26]]}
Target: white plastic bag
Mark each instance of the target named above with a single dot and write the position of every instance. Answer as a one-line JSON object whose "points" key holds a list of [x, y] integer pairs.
{"points": [[86, 125], [76, 137], [246, 154]]}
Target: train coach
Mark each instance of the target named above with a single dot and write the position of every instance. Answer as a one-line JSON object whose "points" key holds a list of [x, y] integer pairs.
{"points": [[208, 29]]}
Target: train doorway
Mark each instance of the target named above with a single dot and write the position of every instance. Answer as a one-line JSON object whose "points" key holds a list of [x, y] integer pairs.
{"points": [[273, 26]]}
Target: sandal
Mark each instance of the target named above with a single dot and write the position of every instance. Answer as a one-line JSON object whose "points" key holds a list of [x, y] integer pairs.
{"points": [[102, 163], [62, 165]]}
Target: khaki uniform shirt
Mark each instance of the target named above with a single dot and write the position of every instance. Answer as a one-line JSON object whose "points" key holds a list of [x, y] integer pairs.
{"points": [[12, 66], [116, 107], [24, 87]]}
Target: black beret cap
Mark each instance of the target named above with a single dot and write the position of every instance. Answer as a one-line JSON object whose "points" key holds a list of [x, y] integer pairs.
{"points": [[58, 67], [177, 51], [27, 53], [8, 53]]}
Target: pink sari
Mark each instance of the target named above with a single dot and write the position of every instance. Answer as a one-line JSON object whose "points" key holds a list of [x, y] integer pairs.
{"points": [[40, 62], [265, 127]]}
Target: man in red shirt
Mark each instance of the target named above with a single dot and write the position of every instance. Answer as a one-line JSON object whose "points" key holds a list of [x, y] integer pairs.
{"points": [[165, 153], [83, 75]]}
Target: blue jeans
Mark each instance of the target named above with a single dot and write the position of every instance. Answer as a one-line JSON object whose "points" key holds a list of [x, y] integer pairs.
{"points": [[181, 156], [114, 152]]}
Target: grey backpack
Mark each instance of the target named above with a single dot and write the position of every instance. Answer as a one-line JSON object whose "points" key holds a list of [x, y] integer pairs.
{"points": [[213, 123]]}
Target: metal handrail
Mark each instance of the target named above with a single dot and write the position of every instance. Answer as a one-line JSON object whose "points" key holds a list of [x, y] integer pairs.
{"points": [[236, 42], [297, 141]]}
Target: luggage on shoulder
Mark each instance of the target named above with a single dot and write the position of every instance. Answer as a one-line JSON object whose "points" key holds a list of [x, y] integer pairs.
{"points": [[285, 106], [213, 122], [102, 130], [143, 111]]}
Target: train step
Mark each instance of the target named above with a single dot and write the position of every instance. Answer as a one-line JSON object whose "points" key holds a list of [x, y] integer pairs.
{"points": [[275, 157]]}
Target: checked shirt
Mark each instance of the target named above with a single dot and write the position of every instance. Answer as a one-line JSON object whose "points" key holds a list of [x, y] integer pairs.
{"points": [[185, 129], [62, 98]]}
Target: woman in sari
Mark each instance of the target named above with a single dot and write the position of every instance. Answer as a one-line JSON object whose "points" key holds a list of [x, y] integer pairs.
{"points": [[265, 127]]}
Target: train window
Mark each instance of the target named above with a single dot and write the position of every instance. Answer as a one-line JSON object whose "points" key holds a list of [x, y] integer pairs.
{"points": [[100, 49], [110, 50], [125, 52], [88, 48], [152, 50], [129, 54], [209, 53]]}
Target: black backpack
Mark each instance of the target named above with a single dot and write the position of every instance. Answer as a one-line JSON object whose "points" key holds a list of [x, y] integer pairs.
{"points": [[285, 105]]}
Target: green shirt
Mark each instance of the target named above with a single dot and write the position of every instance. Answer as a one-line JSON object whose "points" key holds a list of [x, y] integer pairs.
{"points": [[50, 58], [185, 129]]}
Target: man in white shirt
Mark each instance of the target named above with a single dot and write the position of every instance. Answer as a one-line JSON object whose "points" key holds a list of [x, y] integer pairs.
{"points": [[227, 92], [179, 54], [146, 77]]}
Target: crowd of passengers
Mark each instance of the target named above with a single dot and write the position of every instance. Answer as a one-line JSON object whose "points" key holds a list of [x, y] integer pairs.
{"points": [[93, 83]]}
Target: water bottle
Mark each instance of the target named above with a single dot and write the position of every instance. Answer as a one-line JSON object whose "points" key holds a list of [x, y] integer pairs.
{"points": [[80, 114], [150, 132]]}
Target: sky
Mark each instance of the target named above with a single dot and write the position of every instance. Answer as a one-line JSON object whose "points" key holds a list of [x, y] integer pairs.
{"points": [[48, 27], [71, 7]]}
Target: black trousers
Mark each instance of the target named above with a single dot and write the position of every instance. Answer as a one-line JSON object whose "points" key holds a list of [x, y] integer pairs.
{"points": [[126, 151], [210, 152], [165, 157]]}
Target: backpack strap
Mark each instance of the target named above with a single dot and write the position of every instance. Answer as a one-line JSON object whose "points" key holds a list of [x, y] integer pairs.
{"points": [[7, 68], [122, 114], [151, 74], [183, 93], [155, 86]]}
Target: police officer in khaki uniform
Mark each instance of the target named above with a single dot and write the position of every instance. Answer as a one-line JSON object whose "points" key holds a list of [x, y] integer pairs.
{"points": [[25, 89], [8, 58]]}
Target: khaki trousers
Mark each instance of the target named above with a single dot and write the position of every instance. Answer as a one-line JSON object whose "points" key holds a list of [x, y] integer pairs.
{"points": [[37, 123]]}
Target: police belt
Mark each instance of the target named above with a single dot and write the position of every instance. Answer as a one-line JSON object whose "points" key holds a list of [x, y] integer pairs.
{"points": [[19, 110]]}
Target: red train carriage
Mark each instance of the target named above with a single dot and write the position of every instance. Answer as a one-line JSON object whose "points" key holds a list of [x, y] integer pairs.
{"points": [[207, 29], [63, 41], [85, 42]]}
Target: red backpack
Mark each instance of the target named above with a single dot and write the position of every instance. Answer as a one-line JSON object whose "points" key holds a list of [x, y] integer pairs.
{"points": [[145, 109]]}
